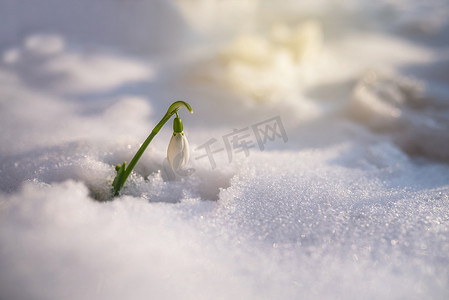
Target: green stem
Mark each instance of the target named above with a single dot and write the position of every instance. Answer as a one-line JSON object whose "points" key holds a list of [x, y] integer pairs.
{"points": [[122, 173]]}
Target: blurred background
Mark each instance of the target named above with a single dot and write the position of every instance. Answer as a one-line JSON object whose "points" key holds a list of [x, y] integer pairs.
{"points": [[304, 59]]}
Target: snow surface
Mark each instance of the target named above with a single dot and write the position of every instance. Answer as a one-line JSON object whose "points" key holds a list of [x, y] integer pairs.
{"points": [[354, 203]]}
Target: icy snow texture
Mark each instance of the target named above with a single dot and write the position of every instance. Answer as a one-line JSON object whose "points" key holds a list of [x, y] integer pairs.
{"points": [[354, 205]]}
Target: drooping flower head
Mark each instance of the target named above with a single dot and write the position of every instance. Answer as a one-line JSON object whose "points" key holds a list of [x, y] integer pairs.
{"points": [[178, 151]]}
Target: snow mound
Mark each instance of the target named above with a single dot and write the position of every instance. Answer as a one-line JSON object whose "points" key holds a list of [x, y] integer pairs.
{"points": [[399, 106], [308, 226]]}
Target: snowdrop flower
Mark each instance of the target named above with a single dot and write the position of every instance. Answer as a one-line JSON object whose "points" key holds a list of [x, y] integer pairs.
{"points": [[178, 151]]}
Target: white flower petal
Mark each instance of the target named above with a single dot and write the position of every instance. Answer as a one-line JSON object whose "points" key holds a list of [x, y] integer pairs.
{"points": [[178, 152]]}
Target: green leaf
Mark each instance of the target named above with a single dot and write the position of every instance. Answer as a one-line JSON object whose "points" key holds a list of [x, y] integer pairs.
{"points": [[118, 180]]}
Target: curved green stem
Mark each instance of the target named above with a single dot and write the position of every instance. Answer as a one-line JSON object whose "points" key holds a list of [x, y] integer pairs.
{"points": [[122, 171]]}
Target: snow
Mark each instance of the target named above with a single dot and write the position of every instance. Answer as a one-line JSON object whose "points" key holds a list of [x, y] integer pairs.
{"points": [[351, 202]]}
